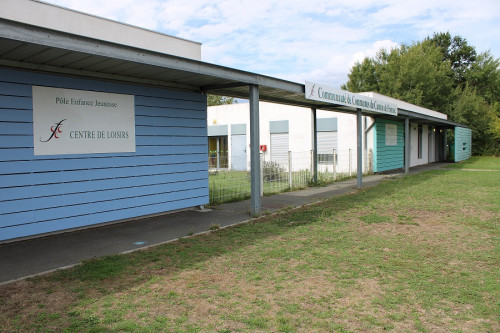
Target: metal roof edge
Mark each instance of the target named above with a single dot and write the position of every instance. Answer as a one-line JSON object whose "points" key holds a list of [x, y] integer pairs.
{"points": [[403, 105], [18, 31], [416, 115]]}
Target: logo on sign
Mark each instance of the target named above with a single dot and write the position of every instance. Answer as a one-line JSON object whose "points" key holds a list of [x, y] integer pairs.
{"points": [[55, 131], [312, 91]]}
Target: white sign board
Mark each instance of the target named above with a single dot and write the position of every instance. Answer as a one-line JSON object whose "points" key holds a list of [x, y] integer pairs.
{"points": [[391, 134], [322, 93], [67, 121]]}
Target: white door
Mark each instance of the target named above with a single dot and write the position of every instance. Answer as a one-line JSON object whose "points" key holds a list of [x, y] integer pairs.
{"points": [[238, 152]]}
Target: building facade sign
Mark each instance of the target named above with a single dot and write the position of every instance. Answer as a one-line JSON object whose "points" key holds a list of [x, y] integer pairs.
{"points": [[322, 93], [67, 121]]}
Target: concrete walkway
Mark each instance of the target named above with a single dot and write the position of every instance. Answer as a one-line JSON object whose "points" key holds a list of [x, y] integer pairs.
{"points": [[41, 255]]}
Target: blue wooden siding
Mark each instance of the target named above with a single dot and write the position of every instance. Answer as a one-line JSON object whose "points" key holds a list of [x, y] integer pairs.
{"points": [[463, 144], [40, 194], [387, 157]]}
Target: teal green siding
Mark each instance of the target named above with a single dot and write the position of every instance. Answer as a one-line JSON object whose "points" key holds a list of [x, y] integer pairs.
{"points": [[462, 144], [387, 157]]}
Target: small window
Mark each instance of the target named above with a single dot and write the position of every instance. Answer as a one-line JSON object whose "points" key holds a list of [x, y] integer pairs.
{"points": [[327, 159]]}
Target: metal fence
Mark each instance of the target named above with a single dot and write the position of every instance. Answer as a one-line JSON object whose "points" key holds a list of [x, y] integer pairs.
{"points": [[232, 182]]}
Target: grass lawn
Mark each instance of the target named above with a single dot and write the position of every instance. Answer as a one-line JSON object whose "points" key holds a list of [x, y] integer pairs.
{"points": [[477, 162], [414, 254]]}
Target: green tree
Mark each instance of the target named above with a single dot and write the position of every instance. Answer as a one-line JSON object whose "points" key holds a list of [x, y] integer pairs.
{"points": [[213, 100], [414, 73], [442, 73], [484, 75], [457, 51], [495, 126], [363, 77], [480, 117]]}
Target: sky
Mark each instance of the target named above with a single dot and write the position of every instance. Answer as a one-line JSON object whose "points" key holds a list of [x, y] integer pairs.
{"points": [[299, 40]]}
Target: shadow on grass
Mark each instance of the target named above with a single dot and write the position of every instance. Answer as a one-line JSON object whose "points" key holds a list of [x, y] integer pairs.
{"points": [[191, 250]]}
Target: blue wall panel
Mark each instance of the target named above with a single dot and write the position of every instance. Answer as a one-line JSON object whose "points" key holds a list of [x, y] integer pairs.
{"points": [[463, 143], [40, 194], [23, 154], [13, 115], [50, 202], [387, 157], [79, 221]]}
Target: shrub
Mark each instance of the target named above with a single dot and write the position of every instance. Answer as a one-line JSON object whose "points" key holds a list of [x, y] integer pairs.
{"points": [[273, 172]]}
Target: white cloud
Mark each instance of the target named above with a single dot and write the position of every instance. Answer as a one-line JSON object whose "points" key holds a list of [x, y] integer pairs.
{"points": [[297, 40], [373, 50]]}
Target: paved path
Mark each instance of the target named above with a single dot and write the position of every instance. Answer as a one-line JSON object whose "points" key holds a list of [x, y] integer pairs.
{"points": [[41, 255]]}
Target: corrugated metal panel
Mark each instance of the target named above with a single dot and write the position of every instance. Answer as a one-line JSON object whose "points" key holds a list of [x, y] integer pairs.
{"points": [[48, 193], [327, 142], [279, 148]]}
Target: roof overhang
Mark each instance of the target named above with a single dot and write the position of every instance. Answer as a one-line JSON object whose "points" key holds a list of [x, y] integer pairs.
{"points": [[421, 118], [35, 48]]}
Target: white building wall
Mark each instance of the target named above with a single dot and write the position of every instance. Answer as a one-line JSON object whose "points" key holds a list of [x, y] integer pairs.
{"points": [[347, 136], [300, 129], [62, 19], [300, 138]]}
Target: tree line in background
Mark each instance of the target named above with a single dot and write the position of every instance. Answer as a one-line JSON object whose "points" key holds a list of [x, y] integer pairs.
{"points": [[213, 100], [442, 73]]}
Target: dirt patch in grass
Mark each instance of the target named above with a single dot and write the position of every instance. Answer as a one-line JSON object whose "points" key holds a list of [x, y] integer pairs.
{"points": [[28, 300], [425, 227]]}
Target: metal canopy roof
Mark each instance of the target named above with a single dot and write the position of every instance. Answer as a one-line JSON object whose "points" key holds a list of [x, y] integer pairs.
{"points": [[36, 48]]}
